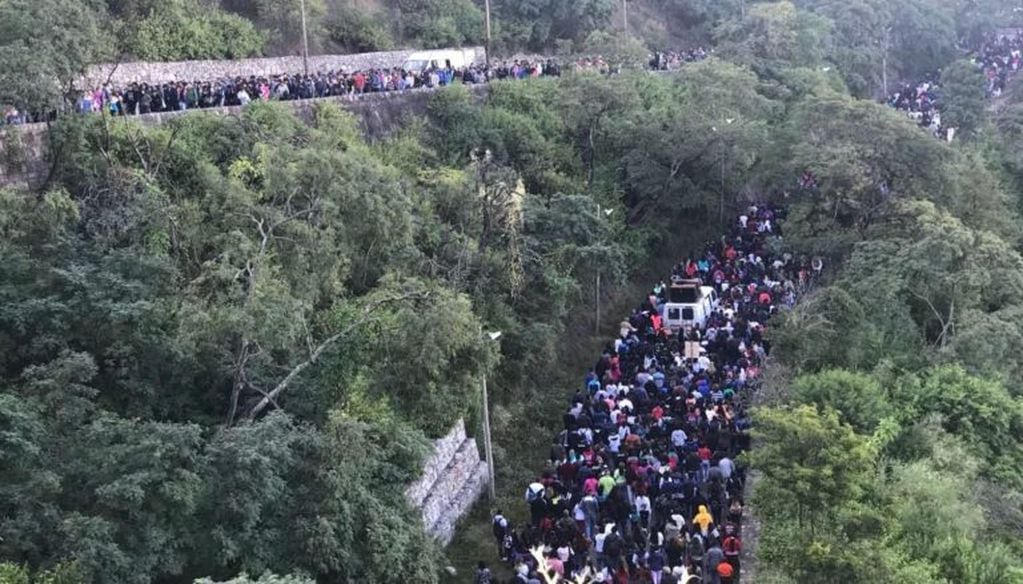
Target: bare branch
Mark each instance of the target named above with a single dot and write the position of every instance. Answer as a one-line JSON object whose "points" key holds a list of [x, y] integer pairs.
{"points": [[367, 314]]}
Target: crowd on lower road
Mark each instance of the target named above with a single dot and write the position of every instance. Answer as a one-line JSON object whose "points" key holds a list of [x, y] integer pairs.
{"points": [[146, 98], [999, 59], [642, 485]]}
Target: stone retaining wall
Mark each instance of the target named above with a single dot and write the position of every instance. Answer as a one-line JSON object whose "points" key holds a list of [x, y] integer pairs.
{"points": [[122, 74], [23, 160], [453, 479], [24, 153]]}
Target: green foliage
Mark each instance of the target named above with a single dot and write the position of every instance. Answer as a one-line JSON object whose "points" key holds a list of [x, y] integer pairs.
{"points": [[264, 579], [616, 49], [45, 45], [281, 20], [964, 104], [181, 30], [865, 157], [225, 342], [440, 23], [540, 24], [811, 463], [712, 133], [772, 35], [861, 33], [65, 573], [981, 413], [858, 399], [358, 31]]}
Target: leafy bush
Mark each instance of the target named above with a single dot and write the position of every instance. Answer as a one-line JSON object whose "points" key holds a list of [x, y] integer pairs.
{"points": [[182, 30]]}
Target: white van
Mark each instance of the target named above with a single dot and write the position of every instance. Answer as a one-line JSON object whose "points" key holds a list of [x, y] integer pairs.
{"points": [[423, 60], [688, 304]]}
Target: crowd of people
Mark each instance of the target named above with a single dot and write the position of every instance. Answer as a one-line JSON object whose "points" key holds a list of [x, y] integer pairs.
{"points": [[670, 60], [144, 98], [999, 58], [642, 485], [921, 103]]}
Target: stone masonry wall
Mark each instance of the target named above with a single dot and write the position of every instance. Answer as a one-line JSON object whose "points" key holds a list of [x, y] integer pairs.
{"points": [[453, 479], [121, 74], [23, 160], [24, 154]]}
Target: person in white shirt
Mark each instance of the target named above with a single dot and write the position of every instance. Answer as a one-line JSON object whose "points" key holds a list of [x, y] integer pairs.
{"points": [[643, 509], [678, 438], [598, 541], [614, 443], [727, 467]]}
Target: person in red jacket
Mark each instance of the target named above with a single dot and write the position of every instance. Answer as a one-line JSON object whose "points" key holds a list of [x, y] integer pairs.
{"points": [[732, 546]]}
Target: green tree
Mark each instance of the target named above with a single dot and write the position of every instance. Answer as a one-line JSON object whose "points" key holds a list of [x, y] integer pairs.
{"points": [[440, 23], [181, 30], [942, 273], [964, 104], [864, 158], [773, 35], [264, 579], [282, 20], [858, 399], [923, 36], [358, 30], [540, 24], [45, 46], [812, 464], [710, 137]]}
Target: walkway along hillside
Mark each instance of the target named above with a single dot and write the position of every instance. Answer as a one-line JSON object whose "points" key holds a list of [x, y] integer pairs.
{"points": [[642, 484]]}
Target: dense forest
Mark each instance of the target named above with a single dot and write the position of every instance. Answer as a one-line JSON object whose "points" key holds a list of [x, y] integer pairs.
{"points": [[225, 342]]}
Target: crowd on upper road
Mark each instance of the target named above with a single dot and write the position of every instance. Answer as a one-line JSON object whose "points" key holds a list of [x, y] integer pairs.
{"points": [[145, 98], [642, 484], [999, 58], [668, 60]]}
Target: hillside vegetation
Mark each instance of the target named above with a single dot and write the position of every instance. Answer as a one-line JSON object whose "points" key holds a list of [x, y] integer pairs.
{"points": [[225, 342]]}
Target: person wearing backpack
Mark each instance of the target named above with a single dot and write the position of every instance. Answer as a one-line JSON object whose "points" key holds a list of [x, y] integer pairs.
{"points": [[483, 575], [500, 528]]}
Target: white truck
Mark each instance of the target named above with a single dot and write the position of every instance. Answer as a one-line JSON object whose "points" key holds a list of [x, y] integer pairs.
{"points": [[439, 59], [689, 303]]}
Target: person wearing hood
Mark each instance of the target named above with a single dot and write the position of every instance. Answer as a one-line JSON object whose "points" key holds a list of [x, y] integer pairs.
{"points": [[704, 519]]}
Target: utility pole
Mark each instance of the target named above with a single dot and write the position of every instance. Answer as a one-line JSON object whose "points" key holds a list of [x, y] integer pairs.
{"points": [[486, 49], [596, 293], [884, 61], [601, 213], [305, 41], [488, 445], [625, 16]]}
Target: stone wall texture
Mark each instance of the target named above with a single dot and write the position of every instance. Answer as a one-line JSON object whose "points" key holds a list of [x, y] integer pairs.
{"points": [[453, 479], [24, 156], [121, 74]]}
